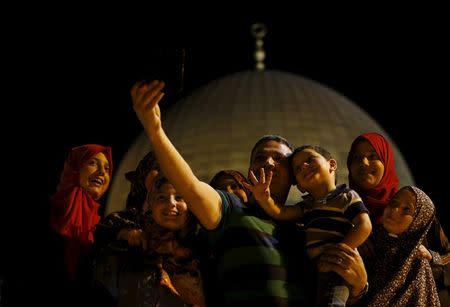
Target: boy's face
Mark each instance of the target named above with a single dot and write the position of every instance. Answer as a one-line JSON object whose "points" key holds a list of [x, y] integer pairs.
{"points": [[312, 170], [272, 156], [94, 175], [229, 184], [366, 168], [399, 213], [169, 210]]}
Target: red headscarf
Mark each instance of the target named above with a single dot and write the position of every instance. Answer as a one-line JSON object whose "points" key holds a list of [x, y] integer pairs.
{"points": [[73, 211], [377, 198]]}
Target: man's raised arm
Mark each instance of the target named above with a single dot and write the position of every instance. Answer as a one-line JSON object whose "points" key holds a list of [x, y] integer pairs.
{"points": [[204, 202]]}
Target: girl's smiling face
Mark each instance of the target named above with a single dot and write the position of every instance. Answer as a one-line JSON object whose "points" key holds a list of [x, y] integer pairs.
{"points": [[399, 213]]}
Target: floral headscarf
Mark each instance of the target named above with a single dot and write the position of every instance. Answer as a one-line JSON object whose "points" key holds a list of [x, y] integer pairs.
{"points": [[398, 277], [138, 192], [170, 257]]}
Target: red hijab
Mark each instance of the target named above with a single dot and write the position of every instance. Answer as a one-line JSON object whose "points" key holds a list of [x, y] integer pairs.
{"points": [[377, 198], [73, 211]]}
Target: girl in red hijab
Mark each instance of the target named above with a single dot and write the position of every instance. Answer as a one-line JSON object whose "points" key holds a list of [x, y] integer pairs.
{"points": [[74, 209]]}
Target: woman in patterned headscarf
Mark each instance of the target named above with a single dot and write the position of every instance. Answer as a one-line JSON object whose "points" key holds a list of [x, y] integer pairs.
{"points": [[397, 277], [134, 214], [159, 265]]}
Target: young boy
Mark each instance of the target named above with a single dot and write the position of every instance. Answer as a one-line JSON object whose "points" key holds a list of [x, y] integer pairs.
{"points": [[330, 214]]}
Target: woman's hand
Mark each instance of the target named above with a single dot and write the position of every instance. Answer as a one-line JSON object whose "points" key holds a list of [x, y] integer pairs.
{"points": [[346, 262], [423, 253]]}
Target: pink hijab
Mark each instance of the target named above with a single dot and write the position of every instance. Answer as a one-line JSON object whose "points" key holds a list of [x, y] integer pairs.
{"points": [[377, 198], [73, 211]]}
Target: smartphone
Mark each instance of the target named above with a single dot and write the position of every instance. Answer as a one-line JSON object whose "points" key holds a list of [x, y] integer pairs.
{"points": [[168, 65]]}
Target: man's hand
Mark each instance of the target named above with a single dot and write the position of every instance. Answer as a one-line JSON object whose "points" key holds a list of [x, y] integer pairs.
{"points": [[347, 263], [145, 97]]}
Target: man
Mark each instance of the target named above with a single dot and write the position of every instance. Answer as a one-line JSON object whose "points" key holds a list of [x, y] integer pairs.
{"points": [[259, 261]]}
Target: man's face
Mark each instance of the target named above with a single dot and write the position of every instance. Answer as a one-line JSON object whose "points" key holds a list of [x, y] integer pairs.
{"points": [[272, 156]]}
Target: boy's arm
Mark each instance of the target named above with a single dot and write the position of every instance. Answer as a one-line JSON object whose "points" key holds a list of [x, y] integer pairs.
{"points": [[360, 231], [280, 212], [261, 192], [204, 202]]}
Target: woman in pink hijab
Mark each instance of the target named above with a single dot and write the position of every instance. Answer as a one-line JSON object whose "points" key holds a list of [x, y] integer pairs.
{"points": [[373, 175], [372, 172], [74, 208]]}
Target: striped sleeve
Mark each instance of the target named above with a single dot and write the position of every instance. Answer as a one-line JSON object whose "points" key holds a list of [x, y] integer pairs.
{"points": [[355, 205]]}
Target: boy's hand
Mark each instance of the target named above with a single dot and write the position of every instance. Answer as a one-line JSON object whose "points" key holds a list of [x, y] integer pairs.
{"points": [[260, 188], [145, 97]]}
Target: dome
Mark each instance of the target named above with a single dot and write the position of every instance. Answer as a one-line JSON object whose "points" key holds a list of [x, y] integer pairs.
{"points": [[216, 126]]}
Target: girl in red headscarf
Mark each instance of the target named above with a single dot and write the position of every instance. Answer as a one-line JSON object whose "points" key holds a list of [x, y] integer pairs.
{"points": [[74, 208]]}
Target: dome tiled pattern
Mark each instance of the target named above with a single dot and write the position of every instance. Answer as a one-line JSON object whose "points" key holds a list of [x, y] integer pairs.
{"points": [[216, 126]]}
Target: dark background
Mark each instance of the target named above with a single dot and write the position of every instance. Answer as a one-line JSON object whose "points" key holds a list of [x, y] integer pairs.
{"points": [[71, 77]]}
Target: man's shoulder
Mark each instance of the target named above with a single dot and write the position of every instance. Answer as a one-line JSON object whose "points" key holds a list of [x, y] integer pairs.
{"points": [[230, 201]]}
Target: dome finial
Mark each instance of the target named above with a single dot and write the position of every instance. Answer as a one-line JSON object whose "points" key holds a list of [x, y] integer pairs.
{"points": [[259, 30]]}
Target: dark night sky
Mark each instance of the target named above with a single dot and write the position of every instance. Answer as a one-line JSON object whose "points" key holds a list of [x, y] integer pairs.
{"points": [[75, 77]]}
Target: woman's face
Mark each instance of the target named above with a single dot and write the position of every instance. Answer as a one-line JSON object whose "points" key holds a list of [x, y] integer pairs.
{"points": [[366, 168], [399, 213], [169, 210], [229, 184], [94, 175]]}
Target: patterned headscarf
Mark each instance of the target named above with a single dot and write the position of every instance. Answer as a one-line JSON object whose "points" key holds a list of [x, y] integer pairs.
{"points": [[170, 257], [172, 254], [73, 211], [377, 198], [398, 277], [138, 192]]}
